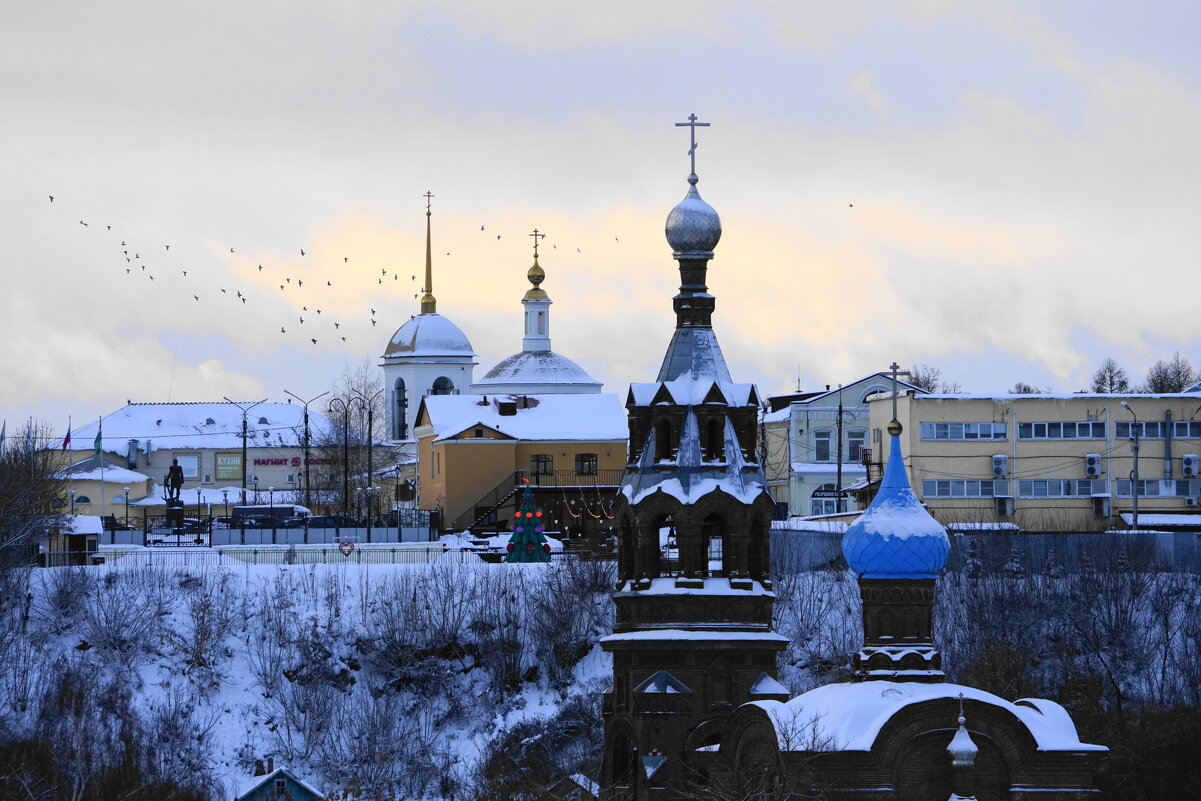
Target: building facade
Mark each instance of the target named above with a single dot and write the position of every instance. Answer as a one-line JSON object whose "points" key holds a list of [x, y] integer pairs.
{"points": [[819, 447], [1050, 462]]}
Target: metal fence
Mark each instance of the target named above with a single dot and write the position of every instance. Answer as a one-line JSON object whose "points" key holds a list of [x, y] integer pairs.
{"points": [[241, 557]]}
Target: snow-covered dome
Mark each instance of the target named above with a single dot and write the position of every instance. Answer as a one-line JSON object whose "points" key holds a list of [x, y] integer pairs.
{"points": [[693, 227], [535, 372], [428, 335], [896, 537]]}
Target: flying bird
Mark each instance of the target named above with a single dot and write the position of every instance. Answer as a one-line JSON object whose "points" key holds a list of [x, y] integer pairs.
{"points": [[345, 259], [304, 308], [185, 272], [299, 282], [51, 198], [302, 321], [196, 296], [281, 330], [123, 243], [337, 325], [127, 270], [239, 293], [314, 342], [373, 322], [81, 222], [343, 339], [223, 292], [498, 236], [302, 251], [327, 283], [289, 280], [260, 268], [373, 312], [168, 247], [383, 272], [319, 311], [109, 227], [379, 281], [243, 300], [481, 227], [231, 250]]}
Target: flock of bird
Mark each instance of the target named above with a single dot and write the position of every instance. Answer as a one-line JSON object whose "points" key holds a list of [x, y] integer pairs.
{"points": [[310, 321]]}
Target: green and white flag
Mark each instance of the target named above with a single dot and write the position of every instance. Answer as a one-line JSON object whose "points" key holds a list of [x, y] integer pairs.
{"points": [[99, 436]]}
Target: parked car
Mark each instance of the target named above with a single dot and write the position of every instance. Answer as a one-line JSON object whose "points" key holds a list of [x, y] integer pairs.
{"points": [[330, 521]]}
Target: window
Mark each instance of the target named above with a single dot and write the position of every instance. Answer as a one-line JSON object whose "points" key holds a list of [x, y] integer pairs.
{"points": [[585, 464], [964, 431], [964, 488], [714, 440], [542, 464], [1152, 429], [663, 441], [82, 499], [1151, 488], [715, 552], [479, 432], [823, 505], [1187, 429], [442, 386], [1060, 488], [856, 441], [1088, 429], [822, 442], [400, 405]]}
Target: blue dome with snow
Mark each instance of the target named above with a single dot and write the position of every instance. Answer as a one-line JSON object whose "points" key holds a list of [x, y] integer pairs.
{"points": [[896, 537]]}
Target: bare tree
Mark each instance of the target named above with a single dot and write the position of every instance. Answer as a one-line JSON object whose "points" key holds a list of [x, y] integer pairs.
{"points": [[30, 496], [356, 414], [1022, 388], [929, 379], [1110, 378], [1176, 375]]}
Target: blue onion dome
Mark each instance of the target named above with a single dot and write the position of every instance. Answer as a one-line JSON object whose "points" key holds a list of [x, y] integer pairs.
{"points": [[693, 227], [896, 537]]}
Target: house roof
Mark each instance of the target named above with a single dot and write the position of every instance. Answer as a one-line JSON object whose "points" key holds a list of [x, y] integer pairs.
{"points": [[90, 469], [252, 783], [571, 417]]}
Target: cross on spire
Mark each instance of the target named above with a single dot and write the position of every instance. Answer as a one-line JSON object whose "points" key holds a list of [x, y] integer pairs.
{"points": [[895, 370], [428, 197], [692, 125], [537, 236]]}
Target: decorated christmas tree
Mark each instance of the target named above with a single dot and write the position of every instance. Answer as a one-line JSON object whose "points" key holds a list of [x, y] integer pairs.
{"points": [[527, 543]]}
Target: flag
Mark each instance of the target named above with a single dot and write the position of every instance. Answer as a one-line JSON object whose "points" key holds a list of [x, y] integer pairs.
{"points": [[67, 439], [3, 436], [99, 436]]}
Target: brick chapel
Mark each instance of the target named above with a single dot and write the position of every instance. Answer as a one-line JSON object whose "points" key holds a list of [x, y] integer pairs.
{"points": [[695, 709]]}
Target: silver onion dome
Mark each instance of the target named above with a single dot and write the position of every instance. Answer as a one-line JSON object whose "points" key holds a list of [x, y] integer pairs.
{"points": [[693, 227]]}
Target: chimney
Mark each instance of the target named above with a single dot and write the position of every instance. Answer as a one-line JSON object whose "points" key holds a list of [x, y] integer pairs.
{"points": [[270, 765], [258, 768]]}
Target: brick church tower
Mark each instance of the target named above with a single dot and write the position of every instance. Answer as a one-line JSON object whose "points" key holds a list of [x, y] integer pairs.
{"points": [[693, 638]]}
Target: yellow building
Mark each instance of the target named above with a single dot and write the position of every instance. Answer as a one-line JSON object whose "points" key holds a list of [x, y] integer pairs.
{"points": [[1049, 462], [100, 488], [472, 450]]}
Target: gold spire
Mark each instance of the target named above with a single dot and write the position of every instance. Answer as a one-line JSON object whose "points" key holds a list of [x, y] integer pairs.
{"points": [[536, 274], [429, 304]]}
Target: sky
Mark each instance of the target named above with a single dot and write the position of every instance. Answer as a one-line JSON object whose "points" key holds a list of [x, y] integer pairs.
{"points": [[1004, 191]]}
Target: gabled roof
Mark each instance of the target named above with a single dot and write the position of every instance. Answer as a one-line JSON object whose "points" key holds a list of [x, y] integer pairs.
{"points": [[662, 682], [255, 782], [90, 469], [685, 391], [816, 398]]}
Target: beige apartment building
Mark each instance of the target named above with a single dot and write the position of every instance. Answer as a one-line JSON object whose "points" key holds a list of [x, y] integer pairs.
{"points": [[472, 450], [1048, 462]]}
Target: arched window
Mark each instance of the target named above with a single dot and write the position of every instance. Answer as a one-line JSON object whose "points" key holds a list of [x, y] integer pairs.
{"points": [[823, 450], [821, 503], [442, 386], [714, 439], [400, 406], [663, 440], [713, 536], [82, 499]]}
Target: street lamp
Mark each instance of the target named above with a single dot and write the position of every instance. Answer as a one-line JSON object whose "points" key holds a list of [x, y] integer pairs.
{"points": [[1135, 433], [368, 402], [346, 449], [305, 403], [271, 504], [225, 497], [245, 409], [71, 492], [126, 506]]}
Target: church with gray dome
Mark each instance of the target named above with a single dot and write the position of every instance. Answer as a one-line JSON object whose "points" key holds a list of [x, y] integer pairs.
{"points": [[695, 709]]}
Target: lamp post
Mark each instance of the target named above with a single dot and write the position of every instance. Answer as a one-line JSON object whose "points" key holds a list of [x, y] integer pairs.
{"points": [[1135, 433], [271, 504], [346, 449], [305, 403], [71, 492], [225, 497], [245, 409], [368, 403], [126, 505]]}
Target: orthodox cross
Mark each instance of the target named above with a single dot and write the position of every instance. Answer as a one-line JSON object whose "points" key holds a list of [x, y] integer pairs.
{"points": [[537, 236], [895, 369], [428, 196], [692, 126]]}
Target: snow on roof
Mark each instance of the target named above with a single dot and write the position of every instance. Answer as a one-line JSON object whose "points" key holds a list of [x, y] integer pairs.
{"points": [[1190, 394], [977, 526], [766, 685], [712, 586], [693, 634], [662, 682], [695, 352], [182, 426], [822, 468], [589, 785], [428, 335], [251, 783], [849, 716], [90, 469], [689, 391], [777, 416], [531, 368], [208, 495], [814, 524], [1162, 521], [547, 417], [83, 524]]}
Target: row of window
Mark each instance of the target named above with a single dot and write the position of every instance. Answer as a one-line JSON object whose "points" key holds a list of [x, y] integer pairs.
{"points": [[1084, 429], [543, 464], [1058, 488], [823, 445]]}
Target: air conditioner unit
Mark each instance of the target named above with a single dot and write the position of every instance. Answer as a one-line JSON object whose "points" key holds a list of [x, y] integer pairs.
{"points": [[1004, 506], [1092, 465], [1101, 507], [1000, 465], [1191, 501], [1191, 465]]}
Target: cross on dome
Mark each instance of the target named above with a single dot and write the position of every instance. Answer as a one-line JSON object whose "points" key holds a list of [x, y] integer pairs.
{"points": [[537, 236], [692, 125]]}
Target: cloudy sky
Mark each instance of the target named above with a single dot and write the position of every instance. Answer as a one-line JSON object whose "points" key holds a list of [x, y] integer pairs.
{"points": [[1005, 191]]}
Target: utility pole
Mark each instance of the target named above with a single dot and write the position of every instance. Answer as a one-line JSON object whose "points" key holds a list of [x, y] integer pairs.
{"points": [[369, 403], [345, 449], [307, 485], [244, 409], [1135, 433], [838, 457]]}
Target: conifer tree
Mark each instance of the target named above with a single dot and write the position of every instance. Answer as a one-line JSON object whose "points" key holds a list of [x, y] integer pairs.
{"points": [[527, 543]]}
